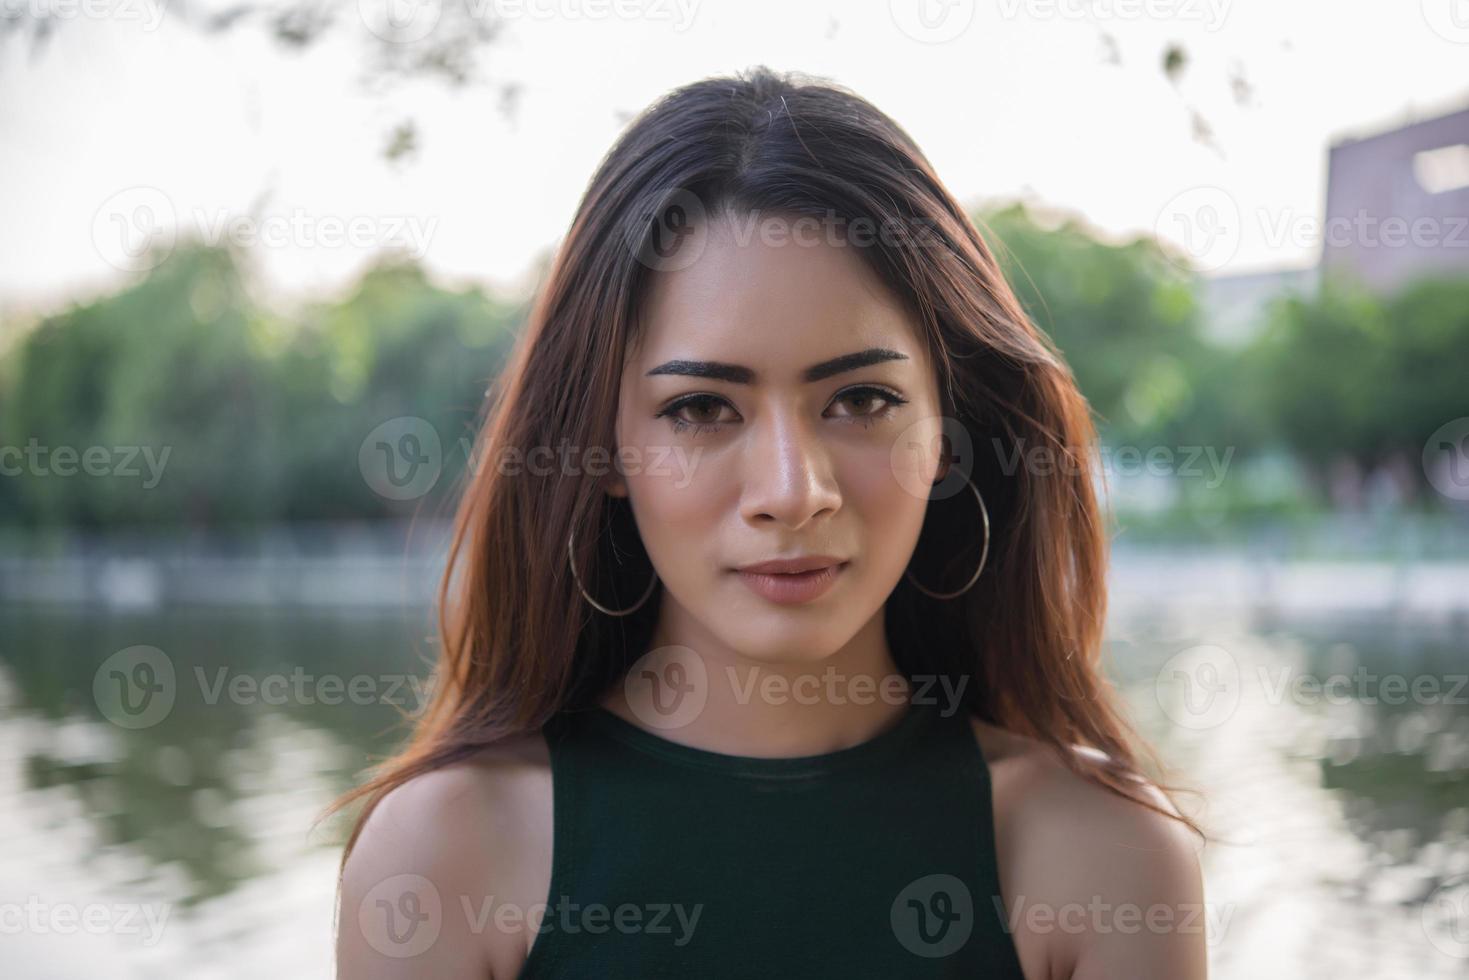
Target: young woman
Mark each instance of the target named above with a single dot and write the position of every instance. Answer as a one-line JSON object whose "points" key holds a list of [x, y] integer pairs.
{"points": [[771, 631]]}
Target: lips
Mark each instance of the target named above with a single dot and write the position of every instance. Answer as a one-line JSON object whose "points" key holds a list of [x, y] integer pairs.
{"points": [[792, 581], [792, 566]]}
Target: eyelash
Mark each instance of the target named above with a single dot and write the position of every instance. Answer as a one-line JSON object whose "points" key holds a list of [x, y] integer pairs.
{"points": [[893, 399]]}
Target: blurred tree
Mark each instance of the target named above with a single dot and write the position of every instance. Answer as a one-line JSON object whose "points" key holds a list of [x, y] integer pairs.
{"points": [[164, 367], [1351, 375], [260, 418], [1127, 321]]}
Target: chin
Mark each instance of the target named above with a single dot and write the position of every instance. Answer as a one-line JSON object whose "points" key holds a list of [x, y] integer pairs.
{"points": [[772, 644]]}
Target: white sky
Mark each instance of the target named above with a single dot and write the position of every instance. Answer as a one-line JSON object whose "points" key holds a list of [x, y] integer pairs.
{"points": [[1019, 103]]}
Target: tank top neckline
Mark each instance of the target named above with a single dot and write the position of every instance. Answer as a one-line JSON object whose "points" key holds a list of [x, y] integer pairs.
{"points": [[879, 746]]}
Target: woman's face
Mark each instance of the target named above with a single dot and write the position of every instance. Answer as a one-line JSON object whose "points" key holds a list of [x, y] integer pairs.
{"points": [[780, 404]]}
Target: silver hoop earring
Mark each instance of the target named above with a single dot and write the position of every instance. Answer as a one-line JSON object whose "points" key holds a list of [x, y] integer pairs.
{"points": [[983, 555], [571, 559]]}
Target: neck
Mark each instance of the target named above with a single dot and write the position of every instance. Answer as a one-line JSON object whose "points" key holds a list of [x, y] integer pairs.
{"points": [[766, 707]]}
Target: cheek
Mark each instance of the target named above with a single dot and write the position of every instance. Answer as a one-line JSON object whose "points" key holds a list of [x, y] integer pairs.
{"points": [[882, 494], [676, 493], [671, 503]]}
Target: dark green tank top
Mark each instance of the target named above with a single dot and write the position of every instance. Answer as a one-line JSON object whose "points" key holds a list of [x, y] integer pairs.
{"points": [[876, 860]]}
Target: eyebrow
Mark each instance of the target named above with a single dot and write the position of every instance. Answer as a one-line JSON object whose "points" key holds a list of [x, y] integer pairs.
{"points": [[740, 375]]}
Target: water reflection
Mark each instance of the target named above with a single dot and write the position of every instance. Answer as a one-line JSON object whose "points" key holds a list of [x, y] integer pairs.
{"points": [[206, 813], [1345, 794], [1335, 761]]}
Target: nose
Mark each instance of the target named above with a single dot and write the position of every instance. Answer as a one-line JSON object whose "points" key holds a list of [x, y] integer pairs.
{"points": [[788, 475]]}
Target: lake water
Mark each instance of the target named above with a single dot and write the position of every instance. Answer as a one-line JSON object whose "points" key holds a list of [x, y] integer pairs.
{"points": [[152, 840]]}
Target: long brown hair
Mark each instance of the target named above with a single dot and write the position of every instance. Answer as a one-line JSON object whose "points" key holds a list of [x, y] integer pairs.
{"points": [[519, 642]]}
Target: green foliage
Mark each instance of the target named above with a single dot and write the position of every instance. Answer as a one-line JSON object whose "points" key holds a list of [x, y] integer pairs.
{"points": [[260, 418], [1350, 373], [1345, 373], [1123, 316], [1319, 359]]}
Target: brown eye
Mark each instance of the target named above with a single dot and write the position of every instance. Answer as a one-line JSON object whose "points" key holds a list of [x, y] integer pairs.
{"points": [[868, 401], [862, 401], [699, 410]]}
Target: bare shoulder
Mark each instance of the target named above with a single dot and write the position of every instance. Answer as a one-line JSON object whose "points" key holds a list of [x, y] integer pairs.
{"points": [[451, 869], [1094, 884]]}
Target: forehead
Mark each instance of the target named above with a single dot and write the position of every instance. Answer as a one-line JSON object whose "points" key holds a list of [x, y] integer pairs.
{"points": [[772, 301]]}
